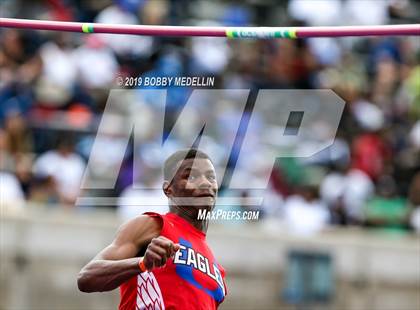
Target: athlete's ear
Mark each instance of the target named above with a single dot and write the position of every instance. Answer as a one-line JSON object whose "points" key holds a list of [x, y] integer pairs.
{"points": [[167, 188]]}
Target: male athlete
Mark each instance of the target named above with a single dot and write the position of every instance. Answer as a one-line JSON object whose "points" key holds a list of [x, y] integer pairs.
{"points": [[163, 261]]}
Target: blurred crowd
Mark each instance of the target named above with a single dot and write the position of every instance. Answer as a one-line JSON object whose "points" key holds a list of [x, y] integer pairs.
{"points": [[54, 87]]}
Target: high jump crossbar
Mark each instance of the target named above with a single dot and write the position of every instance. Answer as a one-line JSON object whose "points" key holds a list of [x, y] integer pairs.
{"points": [[228, 32]]}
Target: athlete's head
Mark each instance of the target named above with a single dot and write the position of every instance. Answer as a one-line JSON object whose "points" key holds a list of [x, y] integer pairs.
{"points": [[190, 179]]}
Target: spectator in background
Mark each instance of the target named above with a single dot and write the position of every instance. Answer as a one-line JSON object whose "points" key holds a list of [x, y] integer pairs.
{"points": [[316, 13], [56, 83], [369, 148], [20, 65], [386, 77], [414, 199], [125, 12], [43, 191], [23, 171], [19, 59], [65, 167], [304, 213], [16, 147], [11, 194], [346, 192], [387, 209], [216, 50], [96, 63], [97, 68], [18, 136], [415, 136], [6, 159], [355, 13]]}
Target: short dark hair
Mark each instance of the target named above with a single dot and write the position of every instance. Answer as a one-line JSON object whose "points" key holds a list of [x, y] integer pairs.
{"points": [[181, 155]]}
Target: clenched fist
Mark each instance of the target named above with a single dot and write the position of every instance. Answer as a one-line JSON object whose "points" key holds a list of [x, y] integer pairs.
{"points": [[158, 251]]}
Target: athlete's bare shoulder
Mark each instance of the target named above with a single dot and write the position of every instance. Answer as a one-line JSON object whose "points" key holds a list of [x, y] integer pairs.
{"points": [[140, 230]]}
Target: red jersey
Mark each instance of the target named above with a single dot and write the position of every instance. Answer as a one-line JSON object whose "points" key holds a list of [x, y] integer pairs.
{"points": [[191, 280]]}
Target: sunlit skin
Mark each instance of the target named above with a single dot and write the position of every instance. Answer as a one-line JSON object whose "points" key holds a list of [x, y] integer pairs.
{"points": [[193, 187]]}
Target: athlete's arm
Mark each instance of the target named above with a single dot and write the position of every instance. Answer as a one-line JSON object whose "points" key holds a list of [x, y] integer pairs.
{"points": [[117, 263]]}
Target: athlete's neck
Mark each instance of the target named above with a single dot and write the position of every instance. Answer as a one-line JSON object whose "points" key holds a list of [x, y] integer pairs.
{"points": [[190, 214]]}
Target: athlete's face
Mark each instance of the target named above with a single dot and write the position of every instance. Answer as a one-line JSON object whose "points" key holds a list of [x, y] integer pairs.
{"points": [[194, 184]]}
